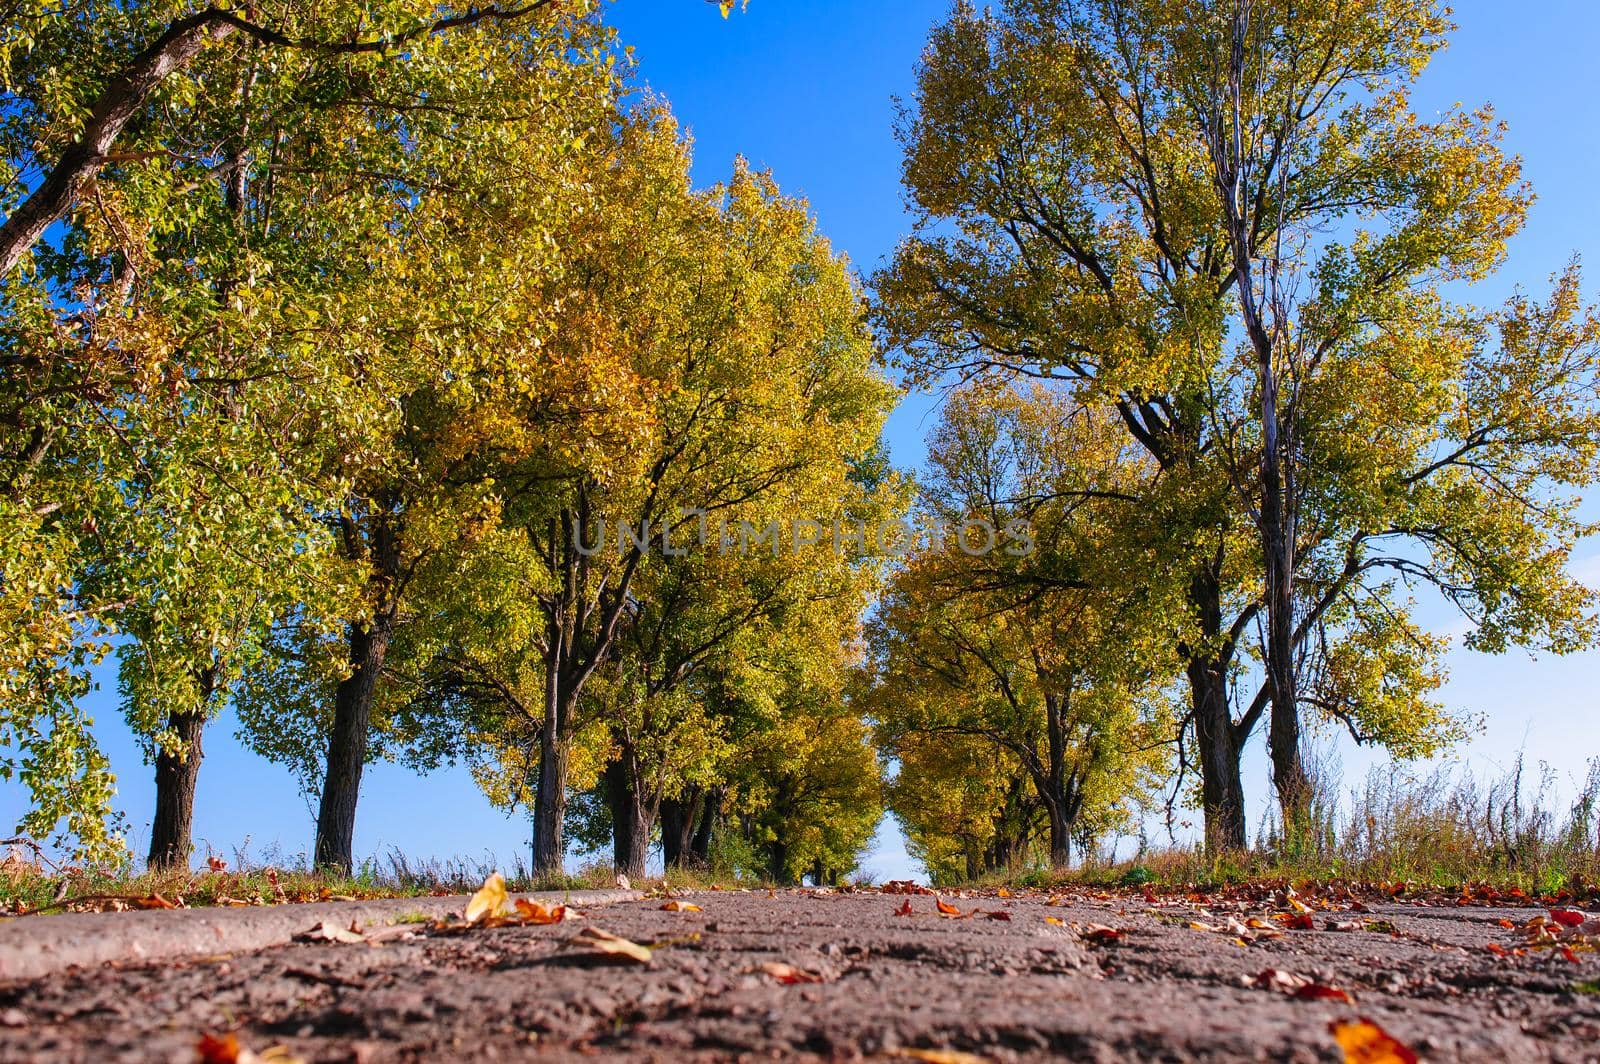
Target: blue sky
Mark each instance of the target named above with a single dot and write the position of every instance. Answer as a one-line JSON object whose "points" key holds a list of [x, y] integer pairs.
{"points": [[806, 89]]}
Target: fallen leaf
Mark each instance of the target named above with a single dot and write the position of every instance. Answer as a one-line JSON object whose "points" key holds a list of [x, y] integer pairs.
{"points": [[1507, 924], [156, 901], [788, 974], [998, 914], [1321, 992], [227, 1050], [218, 1050], [1364, 1042], [1566, 952], [1346, 925], [611, 945], [940, 1056], [532, 912], [1296, 921], [1276, 979], [905, 908], [1568, 917], [680, 907], [945, 908], [489, 900], [216, 864], [1101, 933], [1054, 920], [328, 931]]}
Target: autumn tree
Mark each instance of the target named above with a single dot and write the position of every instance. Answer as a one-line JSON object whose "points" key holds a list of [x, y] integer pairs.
{"points": [[1039, 647], [444, 329], [966, 805], [1222, 221]]}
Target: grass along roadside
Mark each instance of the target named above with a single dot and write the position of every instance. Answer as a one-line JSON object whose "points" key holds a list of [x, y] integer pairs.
{"points": [[30, 883]]}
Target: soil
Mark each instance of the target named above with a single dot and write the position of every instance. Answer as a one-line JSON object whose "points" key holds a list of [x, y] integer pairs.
{"points": [[1447, 980]]}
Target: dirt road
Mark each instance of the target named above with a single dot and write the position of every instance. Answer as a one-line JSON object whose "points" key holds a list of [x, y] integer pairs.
{"points": [[1132, 978]]}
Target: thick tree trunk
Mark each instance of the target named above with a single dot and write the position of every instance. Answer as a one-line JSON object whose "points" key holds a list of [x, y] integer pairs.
{"points": [[633, 818], [778, 862], [1060, 835], [550, 801], [347, 745], [177, 773], [1221, 741], [679, 817], [1221, 783]]}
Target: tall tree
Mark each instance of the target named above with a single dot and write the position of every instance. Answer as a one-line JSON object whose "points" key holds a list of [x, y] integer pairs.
{"points": [[451, 319], [748, 367], [1214, 218], [1052, 654]]}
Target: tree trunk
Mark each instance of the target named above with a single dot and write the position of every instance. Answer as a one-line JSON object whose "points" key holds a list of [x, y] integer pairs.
{"points": [[679, 819], [177, 773], [1221, 783], [1053, 789], [347, 745], [778, 862], [1283, 734], [1060, 835], [710, 811], [632, 819], [550, 802]]}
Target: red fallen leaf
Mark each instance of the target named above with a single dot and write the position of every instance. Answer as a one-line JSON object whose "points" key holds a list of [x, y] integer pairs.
{"points": [[945, 908], [1497, 949], [218, 1050], [1276, 979], [1319, 992], [1507, 924], [788, 974], [1364, 1042], [998, 914], [905, 908], [216, 864], [1101, 933], [1568, 917], [1566, 951], [1296, 921]]}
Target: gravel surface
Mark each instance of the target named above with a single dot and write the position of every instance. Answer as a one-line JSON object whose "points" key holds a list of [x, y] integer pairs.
{"points": [[1045, 980]]}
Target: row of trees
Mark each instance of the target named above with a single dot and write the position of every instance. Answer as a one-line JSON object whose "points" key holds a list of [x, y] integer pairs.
{"points": [[1201, 265], [358, 381], [382, 375]]}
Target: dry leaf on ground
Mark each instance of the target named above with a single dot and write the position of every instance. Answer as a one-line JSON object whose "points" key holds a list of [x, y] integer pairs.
{"points": [[680, 907], [225, 1049], [533, 912], [940, 1056], [611, 945], [1364, 1042], [328, 931], [788, 974], [489, 900]]}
